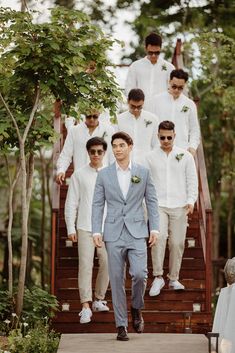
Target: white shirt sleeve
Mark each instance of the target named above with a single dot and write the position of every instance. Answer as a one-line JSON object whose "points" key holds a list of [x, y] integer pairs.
{"points": [[66, 154], [131, 80], [155, 131], [72, 204], [191, 180], [194, 129]]}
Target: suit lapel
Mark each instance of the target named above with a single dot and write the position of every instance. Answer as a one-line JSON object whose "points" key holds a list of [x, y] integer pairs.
{"points": [[134, 171], [114, 180]]}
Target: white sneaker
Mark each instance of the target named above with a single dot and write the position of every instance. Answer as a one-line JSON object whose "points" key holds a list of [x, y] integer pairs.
{"points": [[100, 305], [176, 285], [157, 285], [85, 315]]}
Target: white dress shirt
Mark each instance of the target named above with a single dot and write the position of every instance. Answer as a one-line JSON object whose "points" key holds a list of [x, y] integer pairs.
{"points": [[143, 131], [78, 202], [124, 178], [151, 78], [182, 112], [175, 180], [75, 146]]}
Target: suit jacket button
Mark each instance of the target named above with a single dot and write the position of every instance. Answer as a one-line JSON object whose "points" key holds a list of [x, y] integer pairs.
{"points": [[124, 215], [125, 203]]}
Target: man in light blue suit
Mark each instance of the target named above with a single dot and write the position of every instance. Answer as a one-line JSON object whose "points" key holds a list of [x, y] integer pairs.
{"points": [[124, 186]]}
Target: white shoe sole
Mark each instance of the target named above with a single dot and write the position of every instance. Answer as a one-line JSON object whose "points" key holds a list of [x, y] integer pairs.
{"points": [[172, 287], [154, 294], [95, 309], [85, 321]]}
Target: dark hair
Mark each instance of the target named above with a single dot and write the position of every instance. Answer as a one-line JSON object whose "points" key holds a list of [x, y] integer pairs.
{"points": [[124, 136], [153, 39], [166, 125], [181, 74], [136, 94], [95, 141]]}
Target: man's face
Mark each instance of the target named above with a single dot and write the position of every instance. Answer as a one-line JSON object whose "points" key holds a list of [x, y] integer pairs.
{"points": [[176, 87], [153, 52], [135, 107], [121, 149], [166, 138], [96, 154], [92, 119]]}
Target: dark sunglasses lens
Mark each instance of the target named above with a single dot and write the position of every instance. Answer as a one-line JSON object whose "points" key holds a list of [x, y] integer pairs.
{"points": [[151, 53], [94, 116], [180, 88], [94, 152], [165, 137]]}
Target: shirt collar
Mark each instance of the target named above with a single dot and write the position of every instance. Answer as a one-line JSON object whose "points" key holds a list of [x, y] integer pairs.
{"points": [[118, 168]]}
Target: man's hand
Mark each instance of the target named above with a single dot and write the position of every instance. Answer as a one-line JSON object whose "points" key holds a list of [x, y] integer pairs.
{"points": [[73, 237], [192, 151], [60, 178], [189, 209], [98, 241], [153, 239]]}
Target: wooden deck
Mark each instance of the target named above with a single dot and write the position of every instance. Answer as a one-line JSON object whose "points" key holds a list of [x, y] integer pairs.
{"points": [[147, 343]]}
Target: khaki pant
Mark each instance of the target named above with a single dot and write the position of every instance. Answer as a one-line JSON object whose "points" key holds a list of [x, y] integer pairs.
{"points": [[173, 226], [86, 250]]}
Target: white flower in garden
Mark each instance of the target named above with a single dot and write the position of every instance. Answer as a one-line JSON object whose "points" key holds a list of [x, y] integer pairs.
{"points": [[13, 314], [7, 321]]}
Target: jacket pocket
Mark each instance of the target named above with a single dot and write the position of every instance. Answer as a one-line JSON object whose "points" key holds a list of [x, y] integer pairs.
{"points": [[139, 218], [109, 219]]}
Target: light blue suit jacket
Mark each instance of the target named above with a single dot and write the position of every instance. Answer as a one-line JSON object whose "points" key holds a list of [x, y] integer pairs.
{"points": [[122, 211]]}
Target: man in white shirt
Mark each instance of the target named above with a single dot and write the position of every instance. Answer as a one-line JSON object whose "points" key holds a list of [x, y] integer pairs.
{"points": [[123, 186], [150, 73], [139, 124], [75, 144], [173, 105], [78, 221], [175, 178]]}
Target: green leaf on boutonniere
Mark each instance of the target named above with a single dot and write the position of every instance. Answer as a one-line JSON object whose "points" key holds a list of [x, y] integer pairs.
{"points": [[164, 68], [135, 179], [104, 135], [184, 109], [179, 156], [147, 122]]}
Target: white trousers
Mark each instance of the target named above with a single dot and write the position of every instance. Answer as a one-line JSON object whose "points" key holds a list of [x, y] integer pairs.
{"points": [[86, 250], [173, 227]]}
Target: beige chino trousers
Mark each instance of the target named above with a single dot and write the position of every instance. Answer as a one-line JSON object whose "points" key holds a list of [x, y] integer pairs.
{"points": [[86, 250], [173, 227]]}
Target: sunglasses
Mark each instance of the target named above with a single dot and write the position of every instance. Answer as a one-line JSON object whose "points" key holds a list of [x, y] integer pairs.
{"points": [[169, 138], [92, 116], [134, 107], [151, 53], [94, 152], [180, 88]]}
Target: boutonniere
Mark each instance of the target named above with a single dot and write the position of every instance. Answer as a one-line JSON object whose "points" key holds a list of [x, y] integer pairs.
{"points": [[179, 156], [164, 68], [147, 122], [135, 179], [184, 109], [104, 135]]}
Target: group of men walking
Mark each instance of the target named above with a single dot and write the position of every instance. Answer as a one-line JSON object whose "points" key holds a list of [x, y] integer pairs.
{"points": [[133, 182]]}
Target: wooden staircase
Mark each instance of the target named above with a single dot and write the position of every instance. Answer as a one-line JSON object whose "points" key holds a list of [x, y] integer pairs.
{"points": [[171, 311], [187, 311]]}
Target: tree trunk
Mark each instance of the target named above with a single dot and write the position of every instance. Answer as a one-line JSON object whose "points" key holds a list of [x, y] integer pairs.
{"points": [[43, 199], [12, 184], [24, 231]]}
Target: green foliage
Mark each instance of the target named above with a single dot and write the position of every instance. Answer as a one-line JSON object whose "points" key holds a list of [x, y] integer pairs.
{"points": [[38, 305], [37, 340], [55, 57]]}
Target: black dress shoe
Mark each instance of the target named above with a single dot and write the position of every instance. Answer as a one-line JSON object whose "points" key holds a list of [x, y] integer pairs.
{"points": [[122, 334], [137, 320]]}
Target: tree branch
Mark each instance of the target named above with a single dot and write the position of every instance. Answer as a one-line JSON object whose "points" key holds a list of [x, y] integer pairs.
{"points": [[12, 117], [32, 114]]}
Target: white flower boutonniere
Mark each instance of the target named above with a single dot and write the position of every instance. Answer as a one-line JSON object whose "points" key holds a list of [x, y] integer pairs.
{"points": [[135, 179], [164, 68], [185, 109], [179, 156], [147, 122]]}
